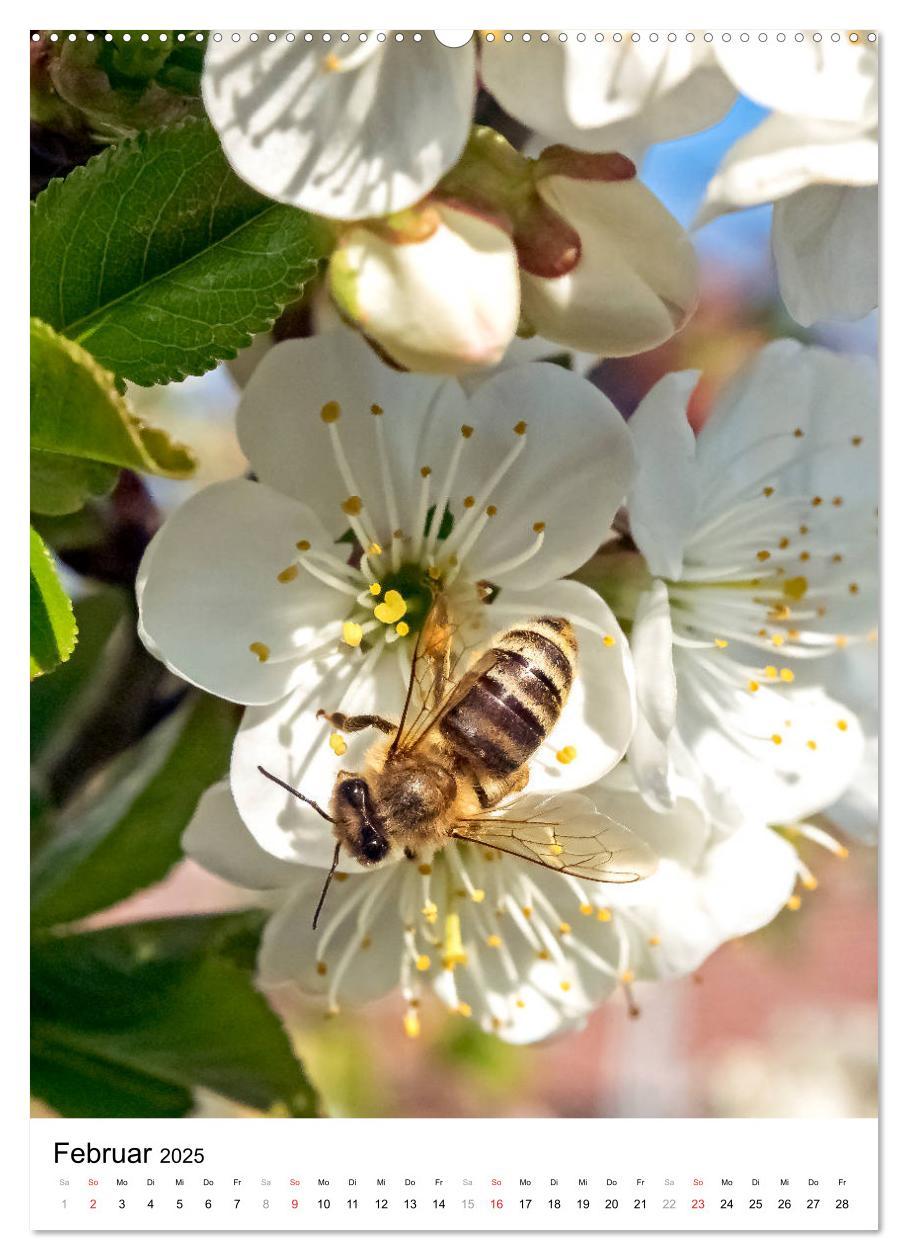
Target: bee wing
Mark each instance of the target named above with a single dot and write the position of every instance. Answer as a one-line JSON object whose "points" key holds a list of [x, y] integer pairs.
{"points": [[581, 842], [430, 674]]}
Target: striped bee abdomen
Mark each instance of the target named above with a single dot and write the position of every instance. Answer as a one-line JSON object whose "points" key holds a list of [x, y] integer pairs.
{"points": [[508, 703]]}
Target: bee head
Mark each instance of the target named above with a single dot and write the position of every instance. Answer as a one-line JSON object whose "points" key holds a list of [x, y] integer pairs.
{"points": [[356, 825]]}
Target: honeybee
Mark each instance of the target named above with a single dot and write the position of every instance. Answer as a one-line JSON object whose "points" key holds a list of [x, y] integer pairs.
{"points": [[460, 748]]}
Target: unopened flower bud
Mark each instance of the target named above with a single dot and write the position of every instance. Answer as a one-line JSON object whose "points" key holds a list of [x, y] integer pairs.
{"points": [[635, 282], [439, 293]]}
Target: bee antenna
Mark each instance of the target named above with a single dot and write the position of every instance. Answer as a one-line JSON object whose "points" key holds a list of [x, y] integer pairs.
{"points": [[293, 792], [328, 878]]}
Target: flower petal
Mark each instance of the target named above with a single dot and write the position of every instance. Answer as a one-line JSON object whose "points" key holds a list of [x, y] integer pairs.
{"points": [[636, 282], [572, 475], [825, 241], [448, 302], [598, 718], [218, 839], [346, 134], [814, 79], [784, 155], [290, 446], [210, 603], [663, 499], [580, 92], [353, 956]]}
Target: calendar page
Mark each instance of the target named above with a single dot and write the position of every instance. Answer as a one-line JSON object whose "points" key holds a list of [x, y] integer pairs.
{"points": [[453, 613]]}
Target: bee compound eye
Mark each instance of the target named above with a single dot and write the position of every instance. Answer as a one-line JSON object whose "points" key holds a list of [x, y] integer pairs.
{"points": [[373, 846]]}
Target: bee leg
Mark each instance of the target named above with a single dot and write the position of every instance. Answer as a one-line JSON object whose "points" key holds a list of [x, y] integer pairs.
{"points": [[359, 723], [491, 792]]}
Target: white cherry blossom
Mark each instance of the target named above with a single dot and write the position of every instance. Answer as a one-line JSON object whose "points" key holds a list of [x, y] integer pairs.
{"points": [[306, 589], [757, 550]]}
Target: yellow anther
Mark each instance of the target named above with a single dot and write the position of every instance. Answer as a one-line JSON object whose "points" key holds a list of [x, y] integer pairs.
{"points": [[798, 433], [816, 500], [794, 902], [433, 572], [841, 640], [321, 968], [527, 911], [856, 441], [423, 962], [375, 589], [340, 877], [812, 745], [655, 940], [770, 671], [469, 501], [842, 724], [425, 471], [303, 545], [453, 953], [493, 941], [337, 743], [840, 851], [556, 849], [331, 63], [375, 549], [565, 985], [853, 588], [411, 1023], [366, 942], [753, 685], [795, 588], [425, 868], [478, 895], [809, 880], [776, 739], [538, 527], [565, 929], [603, 915], [627, 977], [566, 755], [520, 1003], [763, 554], [769, 491], [586, 908], [783, 543], [803, 529], [261, 650], [837, 501], [464, 1008], [608, 640], [544, 955], [377, 410], [491, 510], [804, 556], [520, 428], [430, 912], [721, 643], [352, 506], [787, 675], [288, 574], [331, 412], [837, 558], [466, 430], [352, 633], [777, 640], [402, 629]]}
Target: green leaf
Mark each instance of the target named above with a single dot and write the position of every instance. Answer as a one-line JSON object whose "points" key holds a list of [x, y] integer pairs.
{"points": [[54, 696], [160, 261], [129, 835], [158, 1003], [82, 431], [52, 625]]}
